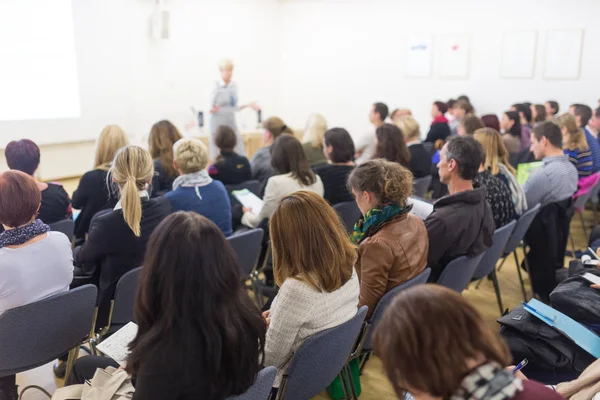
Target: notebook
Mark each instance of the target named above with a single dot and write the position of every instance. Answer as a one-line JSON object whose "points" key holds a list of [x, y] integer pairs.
{"points": [[248, 199], [117, 345], [421, 208], [578, 333], [525, 169]]}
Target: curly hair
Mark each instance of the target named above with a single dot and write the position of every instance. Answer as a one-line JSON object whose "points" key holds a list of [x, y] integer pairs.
{"points": [[390, 182]]}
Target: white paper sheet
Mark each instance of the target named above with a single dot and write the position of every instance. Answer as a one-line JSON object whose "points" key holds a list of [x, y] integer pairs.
{"points": [[117, 346], [249, 199]]}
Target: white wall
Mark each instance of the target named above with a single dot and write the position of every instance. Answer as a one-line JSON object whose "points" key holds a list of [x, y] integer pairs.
{"points": [[126, 77], [341, 56]]}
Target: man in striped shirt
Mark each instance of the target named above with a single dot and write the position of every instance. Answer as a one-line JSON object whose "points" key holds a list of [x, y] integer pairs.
{"points": [[583, 114], [557, 179]]}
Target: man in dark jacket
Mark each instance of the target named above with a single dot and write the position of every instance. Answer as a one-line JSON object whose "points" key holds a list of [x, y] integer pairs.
{"points": [[462, 223]]}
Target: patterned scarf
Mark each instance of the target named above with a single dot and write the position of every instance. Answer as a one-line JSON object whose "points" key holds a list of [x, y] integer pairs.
{"points": [[488, 382], [375, 218], [22, 234]]}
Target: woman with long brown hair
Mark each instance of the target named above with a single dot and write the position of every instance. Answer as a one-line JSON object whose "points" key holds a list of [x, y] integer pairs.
{"points": [[291, 173], [312, 262], [163, 136], [496, 161], [391, 145], [434, 345], [95, 191], [200, 336], [392, 243]]}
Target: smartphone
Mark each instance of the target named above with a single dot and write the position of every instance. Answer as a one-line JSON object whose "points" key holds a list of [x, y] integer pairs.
{"points": [[200, 119], [259, 112], [592, 278]]}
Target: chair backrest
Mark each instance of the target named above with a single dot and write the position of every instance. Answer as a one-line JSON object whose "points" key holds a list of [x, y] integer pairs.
{"points": [[253, 186], [40, 332], [493, 254], [420, 185], [458, 272], [321, 358], [386, 300], [66, 226], [261, 389], [521, 229], [125, 297], [349, 213], [247, 247]]}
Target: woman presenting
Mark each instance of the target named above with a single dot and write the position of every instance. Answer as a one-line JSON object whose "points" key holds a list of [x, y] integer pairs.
{"points": [[224, 103]]}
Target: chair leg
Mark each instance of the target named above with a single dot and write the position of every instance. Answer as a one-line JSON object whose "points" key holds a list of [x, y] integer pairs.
{"points": [[520, 275], [351, 382], [572, 243], [363, 361], [73, 353], [582, 225], [595, 210], [501, 264], [497, 289], [479, 283]]}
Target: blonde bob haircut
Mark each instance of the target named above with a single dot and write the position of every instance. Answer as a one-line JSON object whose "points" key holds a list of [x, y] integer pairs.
{"points": [[309, 243], [132, 170], [111, 139], [409, 127], [191, 155], [225, 64], [495, 151], [316, 126]]}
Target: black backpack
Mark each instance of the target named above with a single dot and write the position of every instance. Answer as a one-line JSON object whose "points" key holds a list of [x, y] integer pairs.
{"points": [[575, 298]]}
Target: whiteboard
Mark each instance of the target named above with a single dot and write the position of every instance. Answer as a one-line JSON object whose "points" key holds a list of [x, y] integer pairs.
{"points": [[518, 54], [419, 54], [454, 55], [563, 54]]}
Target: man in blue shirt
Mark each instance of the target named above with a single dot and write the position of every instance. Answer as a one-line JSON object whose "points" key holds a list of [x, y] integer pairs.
{"points": [[583, 114]]}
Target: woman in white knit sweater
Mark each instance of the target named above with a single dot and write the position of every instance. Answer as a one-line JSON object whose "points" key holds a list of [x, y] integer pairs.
{"points": [[313, 262]]}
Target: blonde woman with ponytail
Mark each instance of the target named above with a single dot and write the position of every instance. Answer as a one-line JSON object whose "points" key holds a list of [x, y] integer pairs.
{"points": [[392, 243], [117, 239], [95, 192]]}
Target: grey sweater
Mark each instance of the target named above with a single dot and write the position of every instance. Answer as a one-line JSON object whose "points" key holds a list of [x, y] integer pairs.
{"points": [[261, 165]]}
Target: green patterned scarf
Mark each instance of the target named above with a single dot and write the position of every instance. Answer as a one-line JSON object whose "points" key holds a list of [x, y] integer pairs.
{"points": [[377, 217]]}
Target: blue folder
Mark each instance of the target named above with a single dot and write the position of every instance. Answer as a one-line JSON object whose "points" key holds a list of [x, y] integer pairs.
{"points": [[578, 333]]}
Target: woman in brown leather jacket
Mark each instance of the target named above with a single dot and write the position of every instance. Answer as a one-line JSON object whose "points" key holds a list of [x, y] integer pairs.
{"points": [[392, 244]]}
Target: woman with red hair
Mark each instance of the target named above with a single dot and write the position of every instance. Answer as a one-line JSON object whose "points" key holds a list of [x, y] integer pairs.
{"points": [[24, 155]]}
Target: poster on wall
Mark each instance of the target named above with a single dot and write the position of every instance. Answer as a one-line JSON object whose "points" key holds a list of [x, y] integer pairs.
{"points": [[419, 54], [563, 54], [518, 54], [454, 55]]}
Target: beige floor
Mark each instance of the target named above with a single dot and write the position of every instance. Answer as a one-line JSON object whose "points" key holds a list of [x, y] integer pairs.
{"points": [[374, 383]]}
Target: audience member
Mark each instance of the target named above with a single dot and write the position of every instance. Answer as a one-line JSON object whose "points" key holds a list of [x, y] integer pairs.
{"points": [[312, 262], [400, 113], [450, 113], [512, 132], [496, 161], [434, 345], [34, 262], [462, 222], [312, 142], [163, 136], [420, 159], [583, 114], [469, 124], [594, 124], [199, 335], [365, 147], [575, 145], [552, 108], [497, 194], [439, 130], [459, 110], [538, 113], [491, 121], [291, 173], [24, 155], [524, 113], [229, 167], [339, 150], [261, 160], [117, 239], [557, 179], [391, 145], [392, 243], [194, 189], [95, 191]]}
